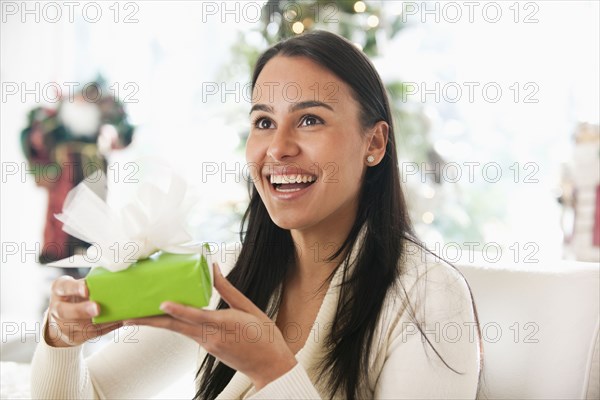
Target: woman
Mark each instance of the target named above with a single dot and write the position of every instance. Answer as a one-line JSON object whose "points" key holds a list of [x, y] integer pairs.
{"points": [[341, 300]]}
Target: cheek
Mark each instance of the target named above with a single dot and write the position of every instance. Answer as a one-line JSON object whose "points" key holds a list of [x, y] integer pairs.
{"points": [[352, 174], [254, 155], [342, 170], [351, 164]]}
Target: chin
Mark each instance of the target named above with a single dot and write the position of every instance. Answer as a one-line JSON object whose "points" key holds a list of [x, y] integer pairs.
{"points": [[284, 223], [288, 222]]}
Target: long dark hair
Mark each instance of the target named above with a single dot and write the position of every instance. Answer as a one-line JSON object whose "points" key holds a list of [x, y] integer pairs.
{"points": [[268, 251]]}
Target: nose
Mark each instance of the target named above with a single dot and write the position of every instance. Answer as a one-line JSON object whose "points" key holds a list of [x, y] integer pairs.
{"points": [[284, 144]]}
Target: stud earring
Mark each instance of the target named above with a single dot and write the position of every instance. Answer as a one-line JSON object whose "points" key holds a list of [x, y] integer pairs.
{"points": [[370, 159]]}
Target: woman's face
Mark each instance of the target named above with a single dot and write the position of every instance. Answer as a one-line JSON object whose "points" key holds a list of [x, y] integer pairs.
{"points": [[306, 146]]}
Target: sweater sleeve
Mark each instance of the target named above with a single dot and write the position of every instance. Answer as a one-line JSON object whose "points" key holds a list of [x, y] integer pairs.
{"points": [[138, 363], [412, 370], [59, 372]]}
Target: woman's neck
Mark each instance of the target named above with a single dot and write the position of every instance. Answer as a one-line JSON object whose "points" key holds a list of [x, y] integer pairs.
{"points": [[315, 246]]}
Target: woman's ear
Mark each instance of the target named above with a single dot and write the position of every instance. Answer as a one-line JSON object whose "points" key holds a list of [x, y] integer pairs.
{"points": [[378, 139]]}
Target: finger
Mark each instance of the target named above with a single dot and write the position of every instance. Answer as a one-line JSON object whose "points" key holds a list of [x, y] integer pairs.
{"points": [[73, 311], [159, 321], [106, 328], [104, 325], [231, 295], [167, 322], [67, 286], [185, 313]]}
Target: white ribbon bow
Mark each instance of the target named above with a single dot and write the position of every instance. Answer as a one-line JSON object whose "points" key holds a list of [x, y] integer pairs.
{"points": [[154, 220]]}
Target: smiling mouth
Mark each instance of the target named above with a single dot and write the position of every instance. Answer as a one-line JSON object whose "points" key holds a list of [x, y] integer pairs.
{"points": [[291, 183]]}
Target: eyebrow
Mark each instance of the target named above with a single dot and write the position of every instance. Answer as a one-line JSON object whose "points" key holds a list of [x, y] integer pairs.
{"points": [[294, 107]]}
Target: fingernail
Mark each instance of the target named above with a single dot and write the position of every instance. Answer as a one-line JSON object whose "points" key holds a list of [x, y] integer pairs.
{"points": [[82, 291], [92, 309], [165, 307]]}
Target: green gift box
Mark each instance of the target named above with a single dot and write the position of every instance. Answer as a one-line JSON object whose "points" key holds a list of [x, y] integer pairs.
{"points": [[139, 290]]}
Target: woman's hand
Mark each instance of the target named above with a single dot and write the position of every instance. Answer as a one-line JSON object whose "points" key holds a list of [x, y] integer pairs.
{"points": [[70, 314], [242, 337]]}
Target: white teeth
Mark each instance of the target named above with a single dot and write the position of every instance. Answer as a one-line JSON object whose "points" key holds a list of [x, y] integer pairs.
{"points": [[281, 189], [284, 179]]}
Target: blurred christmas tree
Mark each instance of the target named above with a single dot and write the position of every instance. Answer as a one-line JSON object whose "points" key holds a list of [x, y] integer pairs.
{"points": [[437, 213]]}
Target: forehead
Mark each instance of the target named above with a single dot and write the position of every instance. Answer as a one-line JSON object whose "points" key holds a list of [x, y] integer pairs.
{"points": [[295, 79]]}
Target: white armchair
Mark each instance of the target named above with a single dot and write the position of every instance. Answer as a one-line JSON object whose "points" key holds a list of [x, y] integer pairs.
{"points": [[540, 329]]}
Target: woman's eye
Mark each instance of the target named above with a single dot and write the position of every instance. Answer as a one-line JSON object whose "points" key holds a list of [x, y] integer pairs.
{"points": [[310, 120], [263, 123]]}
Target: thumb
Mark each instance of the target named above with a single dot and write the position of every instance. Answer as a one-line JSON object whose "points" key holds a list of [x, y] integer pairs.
{"points": [[232, 295]]}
